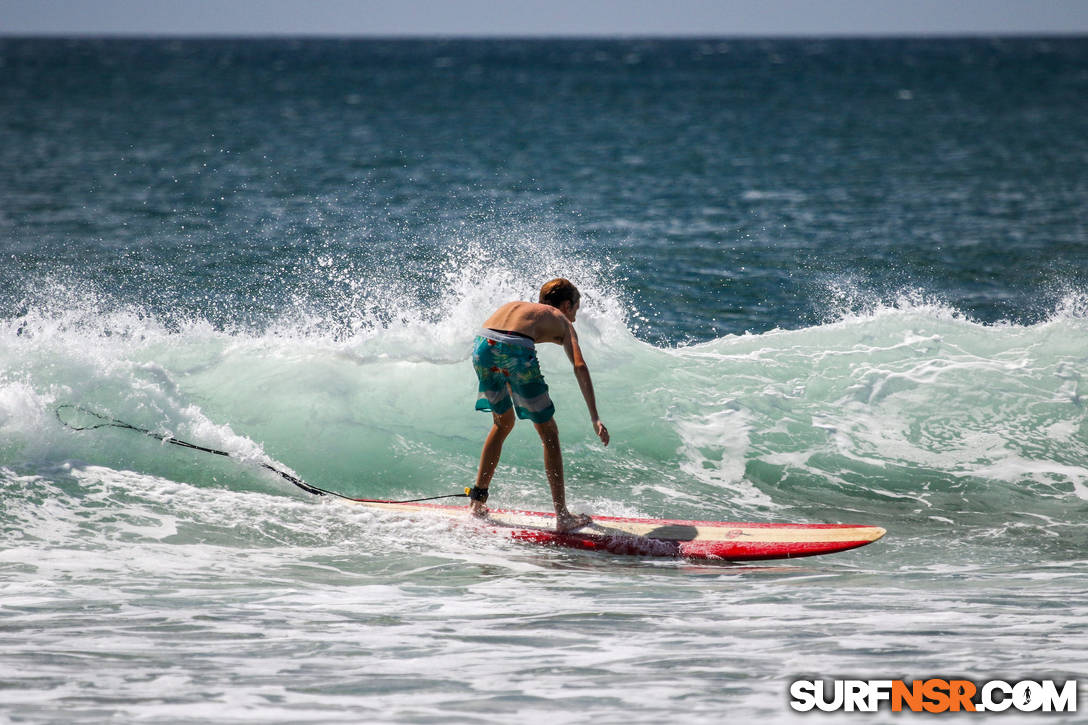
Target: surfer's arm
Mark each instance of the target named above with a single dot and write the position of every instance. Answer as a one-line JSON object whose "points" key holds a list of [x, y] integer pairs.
{"points": [[581, 372]]}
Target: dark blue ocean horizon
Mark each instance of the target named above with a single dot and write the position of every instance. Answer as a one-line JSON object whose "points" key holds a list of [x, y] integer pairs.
{"points": [[731, 184]]}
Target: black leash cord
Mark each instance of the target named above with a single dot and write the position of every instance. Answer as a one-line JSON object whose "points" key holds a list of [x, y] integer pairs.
{"points": [[114, 423]]}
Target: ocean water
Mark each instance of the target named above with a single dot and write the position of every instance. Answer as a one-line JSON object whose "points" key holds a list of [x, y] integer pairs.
{"points": [[824, 281]]}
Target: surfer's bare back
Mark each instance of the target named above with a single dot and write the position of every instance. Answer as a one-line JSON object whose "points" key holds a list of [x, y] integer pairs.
{"points": [[504, 357]]}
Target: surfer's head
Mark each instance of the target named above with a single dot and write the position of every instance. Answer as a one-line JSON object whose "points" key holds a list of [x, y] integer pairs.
{"points": [[561, 294]]}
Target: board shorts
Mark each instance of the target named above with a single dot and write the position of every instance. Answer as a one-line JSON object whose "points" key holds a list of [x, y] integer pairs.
{"points": [[506, 367]]}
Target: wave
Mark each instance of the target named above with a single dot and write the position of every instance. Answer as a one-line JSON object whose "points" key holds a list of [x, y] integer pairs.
{"points": [[902, 414]]}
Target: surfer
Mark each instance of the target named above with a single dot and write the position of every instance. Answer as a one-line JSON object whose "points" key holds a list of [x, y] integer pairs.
{"points": [[504, 357]]}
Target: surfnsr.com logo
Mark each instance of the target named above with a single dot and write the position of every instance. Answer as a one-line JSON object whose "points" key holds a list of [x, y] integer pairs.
{"points": [[933, 695]]}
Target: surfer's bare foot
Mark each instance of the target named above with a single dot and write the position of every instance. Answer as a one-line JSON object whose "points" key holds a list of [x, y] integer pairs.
{"points": [[567, 522], [478, 509]]}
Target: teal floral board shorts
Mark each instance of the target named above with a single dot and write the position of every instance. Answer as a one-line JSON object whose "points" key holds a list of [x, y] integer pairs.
{"points": [[507, 367]]}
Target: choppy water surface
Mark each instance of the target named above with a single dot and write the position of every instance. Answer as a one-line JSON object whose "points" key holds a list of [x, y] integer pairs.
{"points": [[832, 281]]}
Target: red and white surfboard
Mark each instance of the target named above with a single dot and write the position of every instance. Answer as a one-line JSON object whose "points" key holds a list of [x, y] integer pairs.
{"points": [[658, 537]]}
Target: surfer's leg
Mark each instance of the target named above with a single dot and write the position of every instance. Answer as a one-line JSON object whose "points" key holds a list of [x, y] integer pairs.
{"points": [[553, 466], [489, 457]]}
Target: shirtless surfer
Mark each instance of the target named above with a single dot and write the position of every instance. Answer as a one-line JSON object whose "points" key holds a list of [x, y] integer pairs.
{"points": [[504, 357]]}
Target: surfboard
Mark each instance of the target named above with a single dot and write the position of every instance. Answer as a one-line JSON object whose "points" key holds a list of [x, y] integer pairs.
{"points": [[723, 540]]}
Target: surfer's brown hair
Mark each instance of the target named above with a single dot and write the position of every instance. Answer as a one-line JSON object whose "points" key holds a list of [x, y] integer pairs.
{"points": [[558, 291]]}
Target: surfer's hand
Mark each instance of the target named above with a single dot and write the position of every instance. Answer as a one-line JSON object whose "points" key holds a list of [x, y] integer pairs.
{"points": [[601, 431]]}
